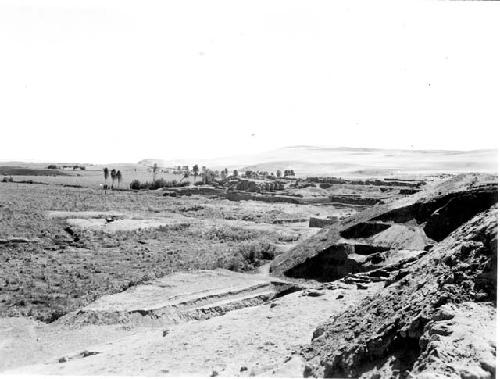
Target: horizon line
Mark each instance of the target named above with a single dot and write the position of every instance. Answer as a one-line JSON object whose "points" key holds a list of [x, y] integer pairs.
{"points": [[331, 147]]}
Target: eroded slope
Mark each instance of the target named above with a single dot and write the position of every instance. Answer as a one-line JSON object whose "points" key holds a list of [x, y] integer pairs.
{"points": [[413, 224], [400, 331]]}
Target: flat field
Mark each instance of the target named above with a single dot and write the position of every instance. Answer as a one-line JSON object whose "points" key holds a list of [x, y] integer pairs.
{"points": [[61, 248], [91, 177]]}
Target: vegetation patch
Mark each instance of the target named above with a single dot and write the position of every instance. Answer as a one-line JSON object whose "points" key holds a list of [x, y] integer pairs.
{"points": [[63, 269], [23, 171], [156, 184]]}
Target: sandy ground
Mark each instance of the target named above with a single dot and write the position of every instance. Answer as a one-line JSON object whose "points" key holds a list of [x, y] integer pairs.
{"points": [[250, 341]]}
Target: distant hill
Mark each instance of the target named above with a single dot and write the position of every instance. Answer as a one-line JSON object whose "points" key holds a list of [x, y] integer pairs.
{"points": [[348, 161], [151, 162]]}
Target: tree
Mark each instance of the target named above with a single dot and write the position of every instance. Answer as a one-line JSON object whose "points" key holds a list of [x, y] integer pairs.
{"points": [[106, 175], [119, 177], [195, 171], [155, 170], [113, 177]]}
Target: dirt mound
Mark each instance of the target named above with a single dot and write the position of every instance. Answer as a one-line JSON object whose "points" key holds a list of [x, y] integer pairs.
{"points": [[398, 332], [403, 237], [425, 218], [443, 214]]}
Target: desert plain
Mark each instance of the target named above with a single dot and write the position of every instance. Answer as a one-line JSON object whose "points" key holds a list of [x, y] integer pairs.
{"points": [[372, 272]]}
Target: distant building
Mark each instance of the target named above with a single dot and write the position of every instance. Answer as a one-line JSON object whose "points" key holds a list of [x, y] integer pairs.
{"points": [[289, 173]]}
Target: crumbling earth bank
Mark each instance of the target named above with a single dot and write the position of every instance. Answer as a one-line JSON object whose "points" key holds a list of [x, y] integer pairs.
{"points": [[425, 219], [402, 331]]}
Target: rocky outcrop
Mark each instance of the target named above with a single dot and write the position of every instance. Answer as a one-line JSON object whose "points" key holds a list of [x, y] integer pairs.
{"points": [[399, 331]]}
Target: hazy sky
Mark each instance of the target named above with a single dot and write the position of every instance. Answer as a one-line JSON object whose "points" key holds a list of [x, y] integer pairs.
{"points": [[120, 81]]}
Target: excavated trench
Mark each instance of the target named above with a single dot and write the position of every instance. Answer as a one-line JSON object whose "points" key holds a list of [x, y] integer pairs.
{"points": [[364, 229], [456, 212], [438, 217], [330, 264], [397, 347], [334, 263]]}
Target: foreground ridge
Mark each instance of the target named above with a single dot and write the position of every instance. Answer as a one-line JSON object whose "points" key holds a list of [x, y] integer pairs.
{"points": [[418, 323]]}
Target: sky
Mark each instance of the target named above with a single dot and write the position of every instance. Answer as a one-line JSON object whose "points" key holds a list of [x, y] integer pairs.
{"points": [[120, 81]]}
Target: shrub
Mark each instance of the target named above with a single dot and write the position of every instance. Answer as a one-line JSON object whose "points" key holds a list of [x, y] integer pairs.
{"points": [[225, 233], [193, 208], [247, 256], [254, 251], [234, 264], [156, 184], [135, 184]]}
